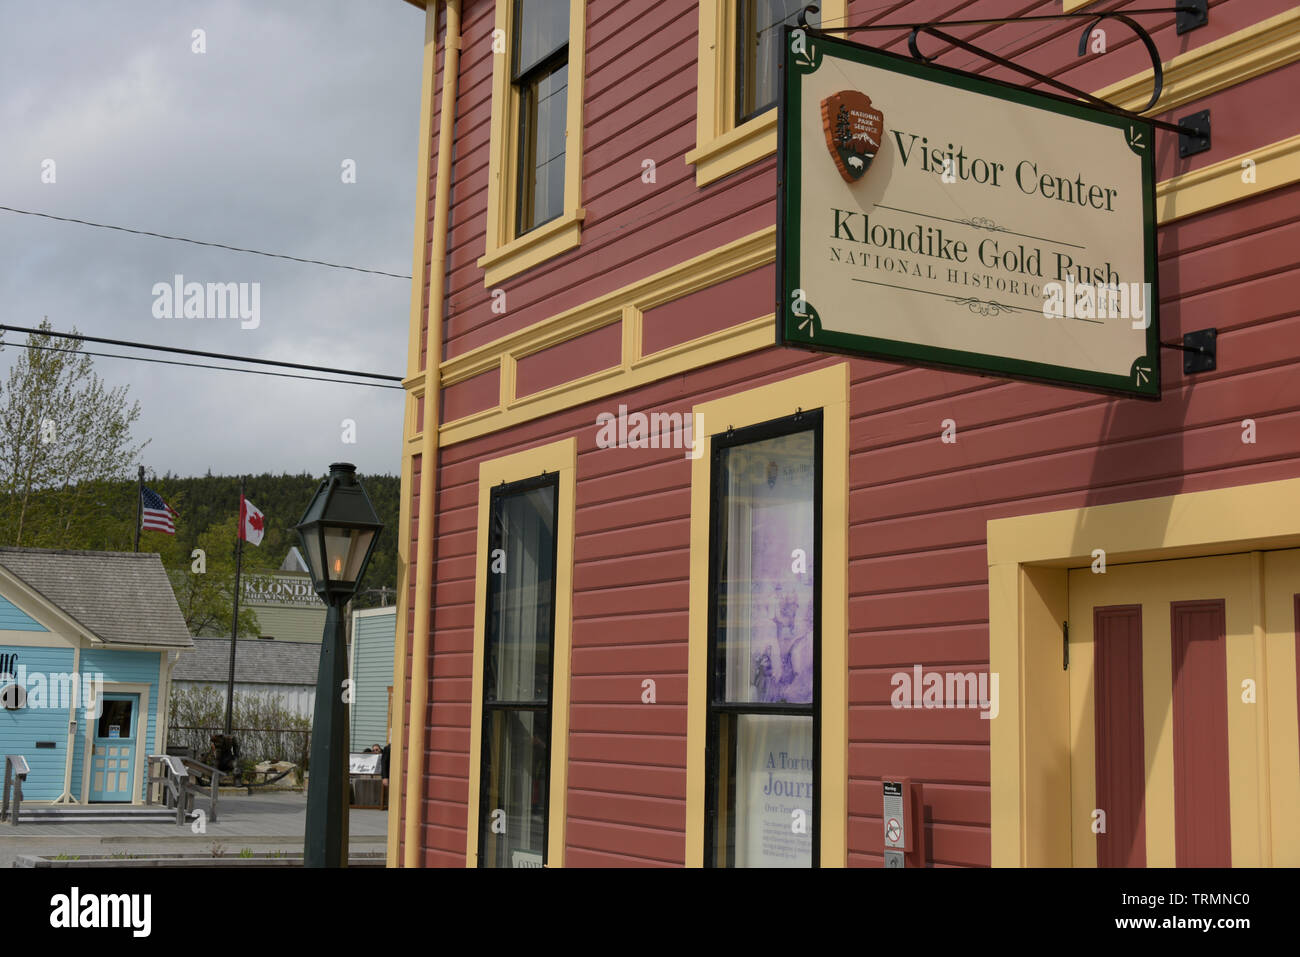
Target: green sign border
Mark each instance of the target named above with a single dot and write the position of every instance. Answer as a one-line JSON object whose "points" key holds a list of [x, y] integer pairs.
{"points": [[790, 327]]}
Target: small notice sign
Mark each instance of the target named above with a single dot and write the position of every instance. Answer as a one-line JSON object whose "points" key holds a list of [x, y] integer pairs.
{"points": [[364, 762], [114, 730], [893, 814]]}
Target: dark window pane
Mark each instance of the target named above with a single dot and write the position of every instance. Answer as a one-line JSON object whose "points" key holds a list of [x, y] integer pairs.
{"points": [[766, 587], [116, 714], [521, 584], [514, 782], [542, 148], [541, 30], [765, 791], [758, 51]]}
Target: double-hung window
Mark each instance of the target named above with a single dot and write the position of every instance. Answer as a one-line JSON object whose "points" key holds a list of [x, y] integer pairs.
{"points": [[764, 647], [540, 77], [534, 201], [759, 35], [518, 662], [740, 49]]}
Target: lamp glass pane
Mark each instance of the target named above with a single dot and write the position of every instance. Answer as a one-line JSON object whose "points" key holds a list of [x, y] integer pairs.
{"points": [[311, 541], [360, 545], [338, 549]]}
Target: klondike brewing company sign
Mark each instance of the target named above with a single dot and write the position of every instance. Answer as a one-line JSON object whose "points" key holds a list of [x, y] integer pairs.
{"points": [[937, 217]]}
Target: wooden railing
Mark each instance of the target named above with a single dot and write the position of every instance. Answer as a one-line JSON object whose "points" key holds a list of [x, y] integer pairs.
{"points": [[15, 773], [178, 781]]}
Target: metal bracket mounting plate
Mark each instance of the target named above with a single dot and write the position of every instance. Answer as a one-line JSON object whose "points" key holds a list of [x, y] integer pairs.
{"points": [[1190, 144], [1191, 14]]}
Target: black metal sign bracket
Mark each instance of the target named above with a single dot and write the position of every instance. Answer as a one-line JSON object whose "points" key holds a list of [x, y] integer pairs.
{"points": [[1193, 131], [1200, 350]]}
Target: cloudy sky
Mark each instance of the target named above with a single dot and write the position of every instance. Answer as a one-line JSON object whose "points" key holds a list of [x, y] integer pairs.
{"points": [[243, 144]]}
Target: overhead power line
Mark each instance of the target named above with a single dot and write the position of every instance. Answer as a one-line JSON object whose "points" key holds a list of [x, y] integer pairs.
{"points": [[195, 352], [202, 365], [200, 242], [201, 354]]}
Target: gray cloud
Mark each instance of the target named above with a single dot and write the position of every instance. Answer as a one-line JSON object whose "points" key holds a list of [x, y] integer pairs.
{"points": [[242, 145]]}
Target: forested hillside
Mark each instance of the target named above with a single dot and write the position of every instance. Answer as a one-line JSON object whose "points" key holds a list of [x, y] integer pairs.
{"points": [[101, 516]]}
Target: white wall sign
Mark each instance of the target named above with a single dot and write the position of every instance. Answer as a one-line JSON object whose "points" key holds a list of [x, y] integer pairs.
{"points": [[936, 217]]}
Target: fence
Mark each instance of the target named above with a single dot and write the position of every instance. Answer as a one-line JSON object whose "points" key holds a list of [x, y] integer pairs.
{"points": [[255, 744]]}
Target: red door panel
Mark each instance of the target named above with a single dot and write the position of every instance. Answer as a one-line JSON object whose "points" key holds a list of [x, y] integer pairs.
{"points": [[1203, 835], [1117, 717]]}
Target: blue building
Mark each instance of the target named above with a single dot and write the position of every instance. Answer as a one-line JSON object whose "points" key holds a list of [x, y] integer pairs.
{"points": [[87, 644], [373, 633]]}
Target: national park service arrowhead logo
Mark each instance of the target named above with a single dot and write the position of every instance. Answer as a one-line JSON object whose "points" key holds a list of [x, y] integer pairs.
{"points": [[854, 130]]}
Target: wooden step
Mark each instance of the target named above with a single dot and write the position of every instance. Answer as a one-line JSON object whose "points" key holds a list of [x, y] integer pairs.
{"points": [[98, 815]]}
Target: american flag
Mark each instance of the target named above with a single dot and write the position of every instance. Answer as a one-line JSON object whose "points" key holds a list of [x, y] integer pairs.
{"points": [[156, 513]]}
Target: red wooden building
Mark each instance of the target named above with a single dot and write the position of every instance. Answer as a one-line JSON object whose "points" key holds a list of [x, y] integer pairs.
{"points": [[670, 589]]}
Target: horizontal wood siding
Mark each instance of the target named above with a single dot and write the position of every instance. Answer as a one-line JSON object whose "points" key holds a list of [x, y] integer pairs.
{"points": [[372, 673], [21, 729], [918, 507], [570, 360], [709, 310], [475, 394]]}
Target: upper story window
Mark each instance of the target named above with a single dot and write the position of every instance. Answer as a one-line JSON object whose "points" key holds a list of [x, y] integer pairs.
{"points": [[739, 79], [534, 207], [758, 51], [540, 77]]}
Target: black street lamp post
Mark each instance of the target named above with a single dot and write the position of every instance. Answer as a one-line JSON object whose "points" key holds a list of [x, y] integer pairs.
{"points": [[338, 533]]}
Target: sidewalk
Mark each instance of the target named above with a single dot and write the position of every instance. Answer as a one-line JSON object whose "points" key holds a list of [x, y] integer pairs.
{"points": [[274, 821]]}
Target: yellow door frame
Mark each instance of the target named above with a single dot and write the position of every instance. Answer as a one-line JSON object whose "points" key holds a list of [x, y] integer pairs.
{"points": [[1029, 557]]}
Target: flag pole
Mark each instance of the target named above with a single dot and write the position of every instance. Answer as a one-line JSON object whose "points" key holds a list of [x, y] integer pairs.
{"points": [[234, 621], [139, 508]]}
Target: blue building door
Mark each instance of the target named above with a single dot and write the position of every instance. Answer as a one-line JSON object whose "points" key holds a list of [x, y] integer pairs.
{"points": [[112, 767]]}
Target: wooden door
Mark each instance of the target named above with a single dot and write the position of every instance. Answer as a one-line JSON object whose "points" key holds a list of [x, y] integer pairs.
{"points": [[1164, 761], [112, 766]]}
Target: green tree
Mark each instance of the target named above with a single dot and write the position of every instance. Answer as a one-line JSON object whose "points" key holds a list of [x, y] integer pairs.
{"points": [[64, 440], [206, 598]]}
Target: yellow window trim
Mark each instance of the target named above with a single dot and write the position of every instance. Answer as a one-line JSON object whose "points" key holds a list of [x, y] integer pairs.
{"points": [[827, 389], [506, 254], [721, 147], [561, 457], [1029, 557]]}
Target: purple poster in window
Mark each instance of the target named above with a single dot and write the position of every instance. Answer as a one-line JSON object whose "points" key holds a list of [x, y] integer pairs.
{"points": [[770, 578]]}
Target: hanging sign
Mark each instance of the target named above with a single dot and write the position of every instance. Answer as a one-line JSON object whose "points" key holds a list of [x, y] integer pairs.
{"points": [[932, 216]]}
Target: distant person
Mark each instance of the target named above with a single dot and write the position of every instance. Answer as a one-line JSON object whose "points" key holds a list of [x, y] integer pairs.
{"points": [[383, 767]]}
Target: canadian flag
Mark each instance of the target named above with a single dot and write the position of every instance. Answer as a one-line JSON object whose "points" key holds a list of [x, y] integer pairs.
{"points": [[252, 523]]}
